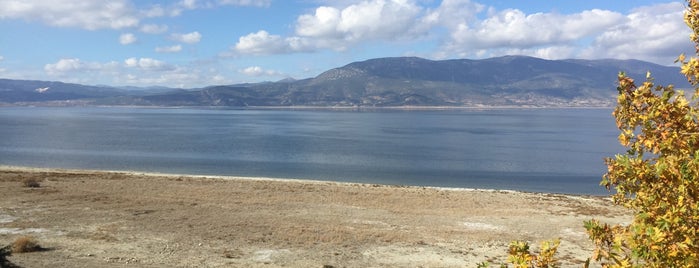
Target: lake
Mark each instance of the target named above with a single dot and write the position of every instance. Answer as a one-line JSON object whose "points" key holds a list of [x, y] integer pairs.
{"points": [[539, 150]]}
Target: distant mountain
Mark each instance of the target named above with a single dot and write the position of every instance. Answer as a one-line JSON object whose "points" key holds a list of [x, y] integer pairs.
{"points": [[401, 81], [31, 92], [17, 91]]}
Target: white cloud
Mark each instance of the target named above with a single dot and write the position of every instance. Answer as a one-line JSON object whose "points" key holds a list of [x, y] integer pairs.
{"points": [[451, 13], [148, 64], [154, 11], [261, 43], [655, 33], [2, 58], [132, 71], [170, 49], [91, 15], [127, 38], [154, 28], [464, 28], [513, 29], [189, 38], [176, 78], [219, 79], [376, 19], [253, 71], [189, 4], [339, 27], [259, 71], [257, 3], [70, 65], [182, 5], [65, 65], [195, 4], [323, 23], [95, 15]]}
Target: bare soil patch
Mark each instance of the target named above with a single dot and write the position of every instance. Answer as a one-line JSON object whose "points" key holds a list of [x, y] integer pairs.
{"points": [[112, 219]]}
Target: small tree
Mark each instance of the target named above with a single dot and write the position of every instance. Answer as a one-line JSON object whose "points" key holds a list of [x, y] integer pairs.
{"points": [[658, 177]]}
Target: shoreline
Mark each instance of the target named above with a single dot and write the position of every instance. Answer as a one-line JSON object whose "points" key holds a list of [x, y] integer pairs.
{"points": [[274, 179], [90, 218], [319, 108]]}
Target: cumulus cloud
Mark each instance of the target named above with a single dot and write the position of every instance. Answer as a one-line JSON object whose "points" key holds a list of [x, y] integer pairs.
{"points": [[154, 11], [262, 42], [65, 65], [259, 71], [189, 38], [95, 15], [194, 4], [90, 15], [257, 3], [127, 38], [655, 33], [189, 4], [182, 5], [513, 29], [451, 13], [154, 28], [70, 65], [176, 78], [170, 49], [377, 19], [148, 64], [339, 27], [464, 28], [131, 71]]}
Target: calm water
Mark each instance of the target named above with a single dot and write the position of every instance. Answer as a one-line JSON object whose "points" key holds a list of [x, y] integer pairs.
{"points": [[543, 150]]}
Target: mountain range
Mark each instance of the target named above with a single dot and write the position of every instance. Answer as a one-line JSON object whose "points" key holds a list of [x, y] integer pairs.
{"points": [[383, 82]]}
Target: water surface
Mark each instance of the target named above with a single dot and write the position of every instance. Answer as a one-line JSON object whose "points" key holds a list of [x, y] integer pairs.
{"points": [[543, 150]]}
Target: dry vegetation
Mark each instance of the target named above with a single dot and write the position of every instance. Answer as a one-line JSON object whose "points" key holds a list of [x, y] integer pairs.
{"points": [[24, 244], [96, 219], [31, 183]]}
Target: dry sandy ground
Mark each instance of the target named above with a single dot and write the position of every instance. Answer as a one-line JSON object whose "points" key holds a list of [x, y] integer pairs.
{"points": [[113, 219]]}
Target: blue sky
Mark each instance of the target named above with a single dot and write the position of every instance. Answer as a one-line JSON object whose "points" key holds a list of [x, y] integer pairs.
{"points": [[196, 43]]}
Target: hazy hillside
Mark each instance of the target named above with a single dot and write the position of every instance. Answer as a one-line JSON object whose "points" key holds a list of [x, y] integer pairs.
{"points": [[509, 80]]}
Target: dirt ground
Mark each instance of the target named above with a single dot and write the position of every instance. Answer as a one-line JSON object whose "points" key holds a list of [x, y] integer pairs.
{"points": [[118, 219]]}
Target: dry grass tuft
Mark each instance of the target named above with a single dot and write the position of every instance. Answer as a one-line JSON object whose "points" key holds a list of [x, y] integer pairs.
{"points": [[25, 244], [31, 183]]}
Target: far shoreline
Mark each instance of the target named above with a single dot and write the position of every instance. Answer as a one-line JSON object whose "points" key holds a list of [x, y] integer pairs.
{"points": [[308, 107]]}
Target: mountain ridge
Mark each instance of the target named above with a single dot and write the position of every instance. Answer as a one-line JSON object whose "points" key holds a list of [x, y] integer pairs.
{"points": [[382, 82]]}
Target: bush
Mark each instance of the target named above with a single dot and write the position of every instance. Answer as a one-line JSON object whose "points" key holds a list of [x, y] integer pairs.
{"points": [[658, 177], [520, 256], [25, 244], [31, 183]]}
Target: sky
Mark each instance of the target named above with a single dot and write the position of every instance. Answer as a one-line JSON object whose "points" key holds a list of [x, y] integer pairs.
{"points": [[197, 43]]}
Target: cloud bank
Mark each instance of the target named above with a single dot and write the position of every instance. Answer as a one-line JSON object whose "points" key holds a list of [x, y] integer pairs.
{"points": [[90, 15], [464, 28]]}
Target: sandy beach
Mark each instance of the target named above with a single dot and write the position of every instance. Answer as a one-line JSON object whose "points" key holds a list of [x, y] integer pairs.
{"points": [[118, 219]]}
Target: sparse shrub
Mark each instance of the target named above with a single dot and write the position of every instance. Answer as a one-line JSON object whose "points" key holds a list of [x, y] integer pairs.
{"points": [[25, 244], [520, 256], [31, 183]]}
